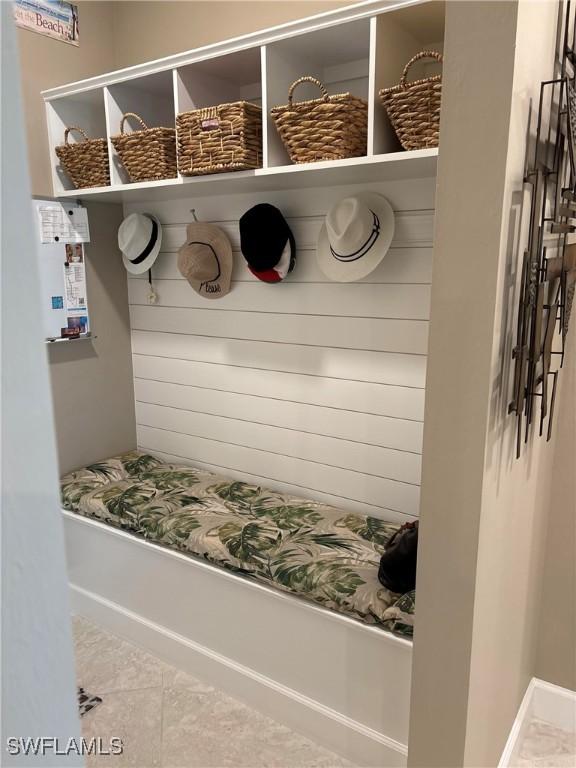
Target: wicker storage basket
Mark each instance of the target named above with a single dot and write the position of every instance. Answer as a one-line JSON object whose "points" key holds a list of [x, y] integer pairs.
{"points": [[86, 162], [328, 128], [218, 139], [414, 108], [148, 154]]}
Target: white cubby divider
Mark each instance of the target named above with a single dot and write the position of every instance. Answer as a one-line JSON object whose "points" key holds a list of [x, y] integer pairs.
{"points": [[151, 98], [85, 110], [394, 39], [337, 56], [233, 77], [357, 49], [220, 80]]}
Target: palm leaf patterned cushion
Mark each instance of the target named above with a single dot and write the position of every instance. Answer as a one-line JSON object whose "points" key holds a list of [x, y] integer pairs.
{"points": [[304, 547]]}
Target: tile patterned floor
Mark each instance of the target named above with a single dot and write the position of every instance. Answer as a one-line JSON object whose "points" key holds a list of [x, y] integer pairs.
{"points": [[546, 746], [168, 719]]}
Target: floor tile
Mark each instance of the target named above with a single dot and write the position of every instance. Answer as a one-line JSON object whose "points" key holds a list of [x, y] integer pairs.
{"points": [[136, 718], [107, 663], [176, 678], [169, 719], [547, 746], [214, 730]]}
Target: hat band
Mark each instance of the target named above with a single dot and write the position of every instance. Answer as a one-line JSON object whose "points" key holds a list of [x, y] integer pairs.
{"points": [[206, 283], [363, 250], [150, 247]]}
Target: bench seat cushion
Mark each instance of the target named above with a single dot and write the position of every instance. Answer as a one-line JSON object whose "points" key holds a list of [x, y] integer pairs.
{"points": [[307, 548]]}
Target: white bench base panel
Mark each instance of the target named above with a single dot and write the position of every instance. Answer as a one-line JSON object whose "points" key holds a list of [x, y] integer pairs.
{"points": [[341, 683]]}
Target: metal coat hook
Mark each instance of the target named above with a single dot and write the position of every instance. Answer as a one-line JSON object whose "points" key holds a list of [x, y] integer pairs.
{"points": [[193, 212]]}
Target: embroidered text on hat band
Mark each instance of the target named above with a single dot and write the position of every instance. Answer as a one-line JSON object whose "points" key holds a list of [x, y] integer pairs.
{"points": [[363, 250], [149, 248]]}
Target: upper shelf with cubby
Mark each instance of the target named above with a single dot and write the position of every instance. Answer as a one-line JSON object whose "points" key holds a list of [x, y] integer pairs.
{"points": [[359, 49]]}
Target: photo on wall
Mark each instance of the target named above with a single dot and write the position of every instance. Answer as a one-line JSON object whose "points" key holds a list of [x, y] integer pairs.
{"points": [[74, 253], [53, 18], [80, 322]]}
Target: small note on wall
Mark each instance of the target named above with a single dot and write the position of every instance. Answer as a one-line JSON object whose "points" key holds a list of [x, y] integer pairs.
{"points": [[63, 223], [75, 279], [54, 18]]}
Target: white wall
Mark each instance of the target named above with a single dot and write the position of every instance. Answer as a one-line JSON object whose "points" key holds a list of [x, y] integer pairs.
{"points": [[484, 513], [557, 644], [516, 494], [93, 396], [312, 387], [37, 668]]}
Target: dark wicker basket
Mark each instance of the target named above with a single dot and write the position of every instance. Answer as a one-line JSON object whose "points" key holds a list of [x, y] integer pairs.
{"points": [[148, 154], [86, 162], [219, 139], [328, 128], [414, 108]]}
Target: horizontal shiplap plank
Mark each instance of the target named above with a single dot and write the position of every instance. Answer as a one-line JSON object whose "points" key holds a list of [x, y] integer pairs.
{"points": [[404, 302], [300, 491], [311, 387], [335, 452], [400, 265], [408, 336], [363, 397], [412, 229], [391, 494], [401, 434], [360, 365]]}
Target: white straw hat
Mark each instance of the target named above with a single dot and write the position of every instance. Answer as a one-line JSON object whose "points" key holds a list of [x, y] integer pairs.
{"points": [[139, 239], [355, 237]]}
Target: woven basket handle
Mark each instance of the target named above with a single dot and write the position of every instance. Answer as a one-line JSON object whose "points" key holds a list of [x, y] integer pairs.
{"points": [[414, 59], [125, 116], [306, 79], [73, 128]]}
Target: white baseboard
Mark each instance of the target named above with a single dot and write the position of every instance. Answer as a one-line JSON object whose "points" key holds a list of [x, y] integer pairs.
{"points": [[543, 701], [324, 725]]}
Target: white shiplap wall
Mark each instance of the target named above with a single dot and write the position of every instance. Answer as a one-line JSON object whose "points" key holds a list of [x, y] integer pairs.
{"points": [[311, 387]]}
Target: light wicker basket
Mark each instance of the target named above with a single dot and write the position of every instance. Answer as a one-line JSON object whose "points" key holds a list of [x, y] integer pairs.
{"points": [[86, 162], [328, 128], [219, 139], [148, 154], [414, 108]]}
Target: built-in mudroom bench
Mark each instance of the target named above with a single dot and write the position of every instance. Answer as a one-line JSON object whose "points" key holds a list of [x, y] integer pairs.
{"points": [[302, 394]]}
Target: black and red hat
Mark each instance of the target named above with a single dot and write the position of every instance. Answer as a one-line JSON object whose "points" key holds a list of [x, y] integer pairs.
{"points": [[267, 243]]}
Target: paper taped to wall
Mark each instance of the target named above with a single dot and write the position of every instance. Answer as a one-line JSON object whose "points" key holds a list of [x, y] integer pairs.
{"points": [[63, 223], [75, 278]]}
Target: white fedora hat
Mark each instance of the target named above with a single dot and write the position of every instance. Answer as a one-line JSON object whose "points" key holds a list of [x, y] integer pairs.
{"points": [[355, 237], [139, 239]]}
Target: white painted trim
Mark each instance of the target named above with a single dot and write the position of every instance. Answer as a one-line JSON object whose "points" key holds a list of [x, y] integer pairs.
{"points": [[320, 21], [370, 143], [554, 704], [412, 164], [543, 701], [518, 730], [348, 690]]}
